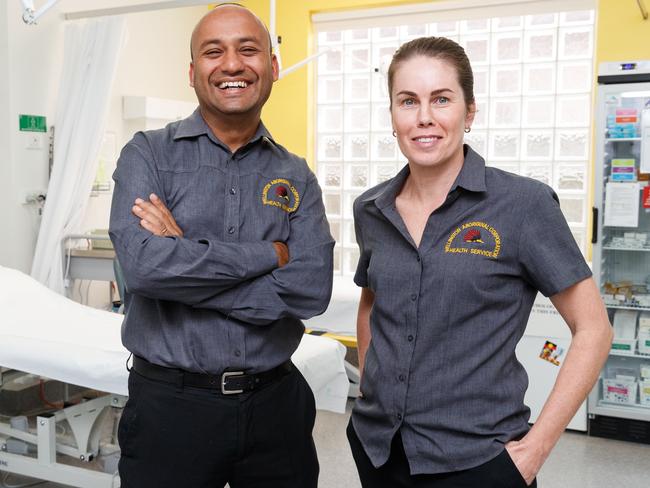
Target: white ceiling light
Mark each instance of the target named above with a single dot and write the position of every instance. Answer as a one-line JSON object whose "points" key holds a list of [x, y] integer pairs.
{"points": [[131, 9], [30, 16]]}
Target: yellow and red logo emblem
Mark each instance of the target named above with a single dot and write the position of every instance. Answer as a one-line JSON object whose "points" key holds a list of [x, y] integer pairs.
{"points": [[473, 235], [475, 238], [280, 193]]}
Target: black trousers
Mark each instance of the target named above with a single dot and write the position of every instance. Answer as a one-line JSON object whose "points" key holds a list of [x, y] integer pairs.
{"points": [[174, 437], [499, 472]]}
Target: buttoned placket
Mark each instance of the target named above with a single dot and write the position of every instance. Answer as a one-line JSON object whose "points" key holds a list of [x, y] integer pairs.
{"points": [[232, 221], [414, 269], [232, 224], [412, 323]]}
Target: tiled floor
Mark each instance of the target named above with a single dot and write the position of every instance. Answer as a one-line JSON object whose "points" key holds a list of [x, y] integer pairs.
{"points": [[578, 461]]}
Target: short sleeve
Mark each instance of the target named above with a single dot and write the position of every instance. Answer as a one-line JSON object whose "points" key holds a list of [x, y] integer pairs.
{"points": [[361, 274], [548, 253]]}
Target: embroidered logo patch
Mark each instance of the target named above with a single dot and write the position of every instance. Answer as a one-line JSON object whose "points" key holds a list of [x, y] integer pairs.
{"points": [[475, 238], [280, 193]]}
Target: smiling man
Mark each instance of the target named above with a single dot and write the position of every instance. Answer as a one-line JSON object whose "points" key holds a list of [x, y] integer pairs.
{"points": [[224, 245]]}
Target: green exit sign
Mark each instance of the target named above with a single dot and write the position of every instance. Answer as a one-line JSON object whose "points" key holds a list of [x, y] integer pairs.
{"points": [[32, 123]]}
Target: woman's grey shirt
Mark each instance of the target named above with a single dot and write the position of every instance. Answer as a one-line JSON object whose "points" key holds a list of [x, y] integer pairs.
{"points": [[441, 366]]}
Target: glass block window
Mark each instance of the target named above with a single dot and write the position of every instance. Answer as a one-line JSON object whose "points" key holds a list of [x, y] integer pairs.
{"points": [[533, 88]]}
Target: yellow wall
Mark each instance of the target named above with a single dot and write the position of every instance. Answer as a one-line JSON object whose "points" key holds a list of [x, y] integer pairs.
{"points": [[288, 111], [621, 33]]}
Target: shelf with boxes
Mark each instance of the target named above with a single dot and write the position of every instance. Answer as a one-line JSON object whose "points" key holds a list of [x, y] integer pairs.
{"points": [[623, 389], [616, 352], [626, 382], [620, 401], [623, 123], [628, 339], [626, 295], [627, 307], [614, 248], [629, 241]]}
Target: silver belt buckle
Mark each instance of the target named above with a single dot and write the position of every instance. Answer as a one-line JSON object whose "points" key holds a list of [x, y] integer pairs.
{"points": [[225, 375]]}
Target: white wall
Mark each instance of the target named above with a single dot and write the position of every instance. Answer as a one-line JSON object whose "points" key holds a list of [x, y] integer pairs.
{"points": [[154, 63], [30, 59], [6, 216]]}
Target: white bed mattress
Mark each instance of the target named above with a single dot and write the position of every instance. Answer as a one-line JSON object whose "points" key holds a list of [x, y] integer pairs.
{"points": [[46, 334], [341, 315]]}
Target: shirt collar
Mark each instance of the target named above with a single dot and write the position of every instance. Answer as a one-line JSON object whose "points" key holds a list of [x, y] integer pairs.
{"points": [[195, 125], [472, 174], [471, 178], [386, 196]]}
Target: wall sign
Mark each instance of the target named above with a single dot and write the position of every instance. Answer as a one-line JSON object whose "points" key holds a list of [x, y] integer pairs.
{"points": [[32, 123]]}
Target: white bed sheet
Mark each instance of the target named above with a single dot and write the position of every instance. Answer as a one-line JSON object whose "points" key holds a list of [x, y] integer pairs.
{"points": [[47, 334], [341, 315]]}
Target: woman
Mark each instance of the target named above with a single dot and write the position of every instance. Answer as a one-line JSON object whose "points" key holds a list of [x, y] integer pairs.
{"points": [[452, 256]]}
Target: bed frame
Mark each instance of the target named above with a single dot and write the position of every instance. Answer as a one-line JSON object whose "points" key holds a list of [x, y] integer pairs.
{"points": [[85, 420]]}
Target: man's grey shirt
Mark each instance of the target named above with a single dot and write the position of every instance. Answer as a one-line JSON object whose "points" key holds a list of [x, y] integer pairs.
{"points": [[441, 366], [215, 299]]}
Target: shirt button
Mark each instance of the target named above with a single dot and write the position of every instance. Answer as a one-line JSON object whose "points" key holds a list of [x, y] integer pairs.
{"points": [[414, 297], [231, 230], [410, 338], [399, 416], [233, 190], [237, 352], [402, 377]]}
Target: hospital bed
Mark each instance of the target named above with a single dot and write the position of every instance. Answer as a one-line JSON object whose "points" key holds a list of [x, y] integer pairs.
{"points": [[339, 323], [45, 337]]}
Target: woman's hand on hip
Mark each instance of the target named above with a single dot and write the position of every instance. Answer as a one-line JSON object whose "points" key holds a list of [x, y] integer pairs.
{"points": [[527, 457]]}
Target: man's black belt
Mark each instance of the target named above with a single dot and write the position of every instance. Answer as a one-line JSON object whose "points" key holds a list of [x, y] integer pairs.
{"points": [[228, 383]]}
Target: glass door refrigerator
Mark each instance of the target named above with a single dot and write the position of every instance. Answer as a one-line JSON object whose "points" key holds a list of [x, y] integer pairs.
{"points": [[619, 404]]}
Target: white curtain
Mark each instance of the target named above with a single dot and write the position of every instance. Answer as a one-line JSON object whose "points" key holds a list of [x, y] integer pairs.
{"points": [[92, 50]]}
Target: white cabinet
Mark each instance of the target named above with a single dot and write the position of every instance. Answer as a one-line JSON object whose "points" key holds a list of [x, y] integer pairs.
{"points": [[542, 351]]}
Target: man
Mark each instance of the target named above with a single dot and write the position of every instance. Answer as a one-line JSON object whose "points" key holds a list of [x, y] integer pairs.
{"points": [[222, 237]]}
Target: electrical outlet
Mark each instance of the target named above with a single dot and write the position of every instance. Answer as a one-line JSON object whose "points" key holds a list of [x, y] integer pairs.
{"points": [[33, 140], [35, 197]]}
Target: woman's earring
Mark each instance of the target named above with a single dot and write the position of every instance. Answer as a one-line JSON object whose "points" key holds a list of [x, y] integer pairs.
{"points": [[468, 130], [394, 134]]}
